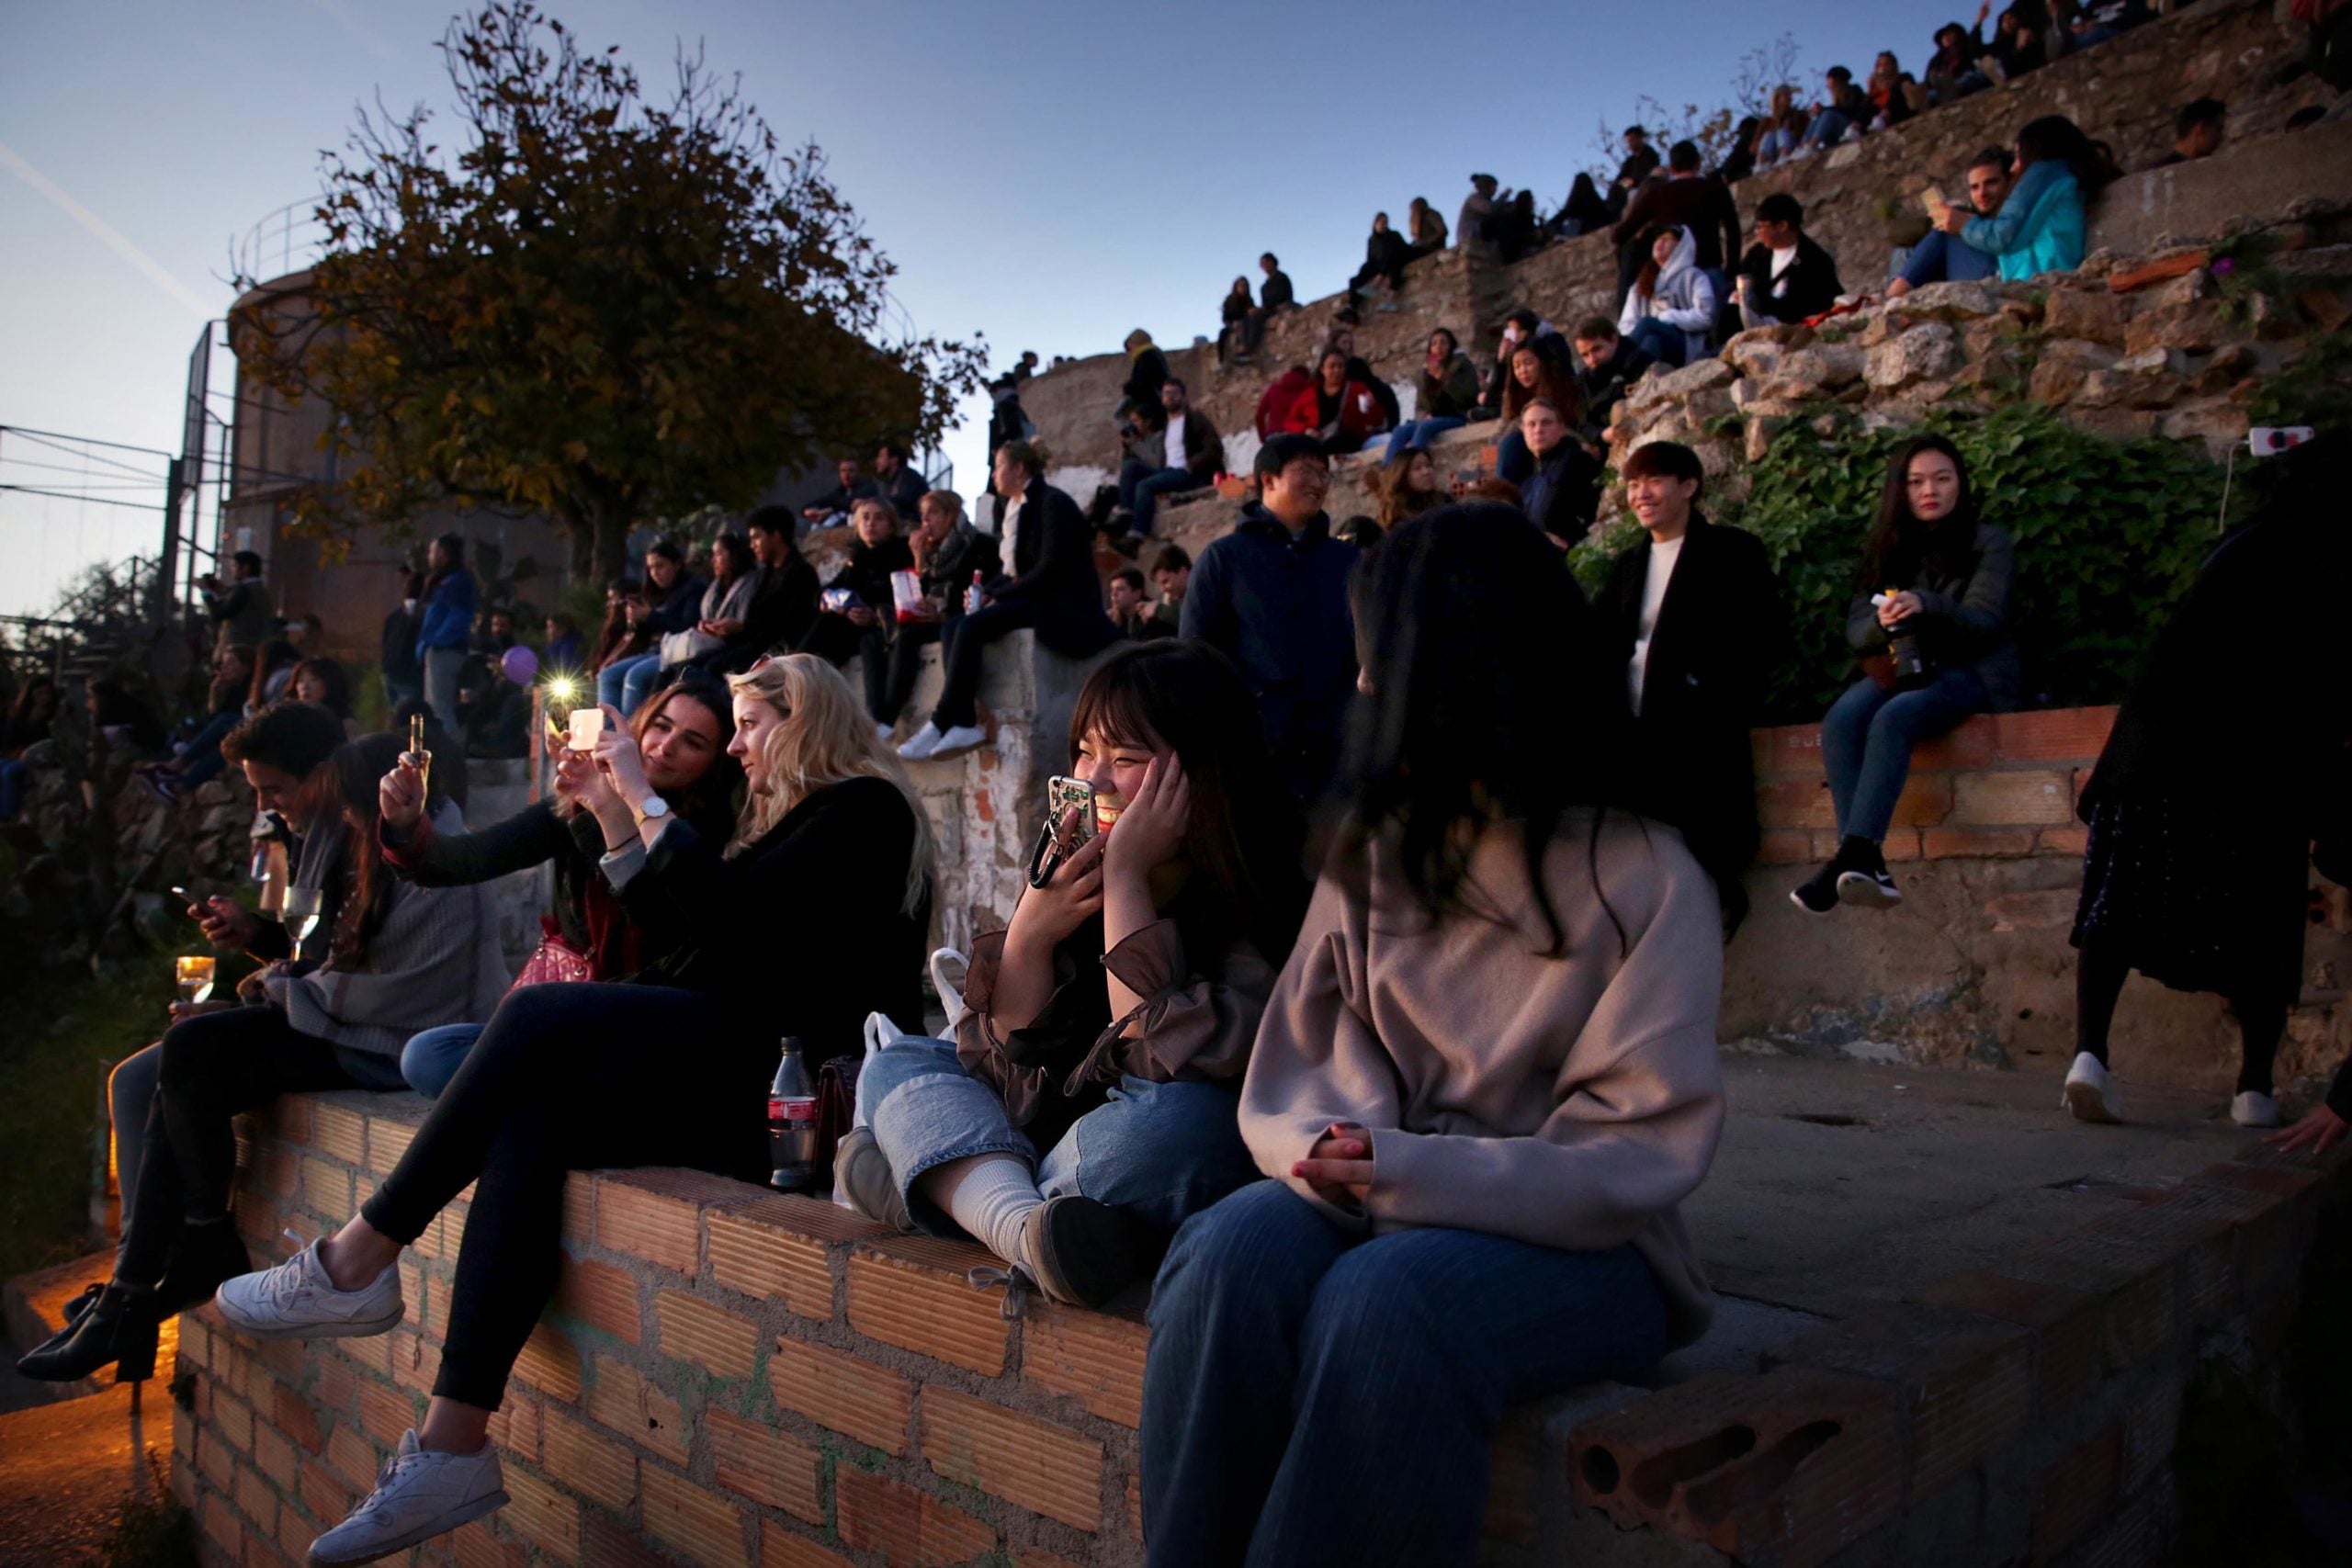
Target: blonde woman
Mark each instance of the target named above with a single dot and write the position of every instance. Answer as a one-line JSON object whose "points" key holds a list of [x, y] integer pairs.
{"points": [[811, 917]]}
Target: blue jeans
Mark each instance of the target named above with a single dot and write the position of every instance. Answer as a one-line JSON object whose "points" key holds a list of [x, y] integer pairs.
{"points": [[1141, 486], [12, 787], [627, 683], [1513, 461], [1298, 1373], [1776, 145], [1163, 1151], [1665, 344], [1418, 433], [1828, 129], [202, 761], [431, 1058], [1866, 741]]}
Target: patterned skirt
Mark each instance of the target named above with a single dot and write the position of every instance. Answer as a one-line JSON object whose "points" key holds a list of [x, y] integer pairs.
{"points": [[2203, 899]]}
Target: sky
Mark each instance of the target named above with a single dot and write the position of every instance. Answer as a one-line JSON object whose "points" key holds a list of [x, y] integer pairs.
{"points": [[1046, 174]]}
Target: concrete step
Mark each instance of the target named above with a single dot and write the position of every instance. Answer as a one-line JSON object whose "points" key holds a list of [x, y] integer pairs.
{"points": [[70, 1470]]}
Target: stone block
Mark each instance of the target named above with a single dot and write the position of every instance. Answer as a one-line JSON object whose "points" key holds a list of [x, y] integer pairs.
{"points": [[1034, 1464], [835, 1389], [1949, 303], [1925, 353], [552, 1364], [657, 1214], [2091, 315], [776, 1248]]}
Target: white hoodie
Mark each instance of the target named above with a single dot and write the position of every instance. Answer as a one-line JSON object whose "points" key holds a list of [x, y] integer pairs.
{"points": [[1684, 296]]}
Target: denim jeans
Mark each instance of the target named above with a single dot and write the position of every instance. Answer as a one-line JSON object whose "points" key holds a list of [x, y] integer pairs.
{"points": [[627, 683], [1513, 461], [1828, 129], [442, 668], [1163, 1151], [1866, 743], [12, 787], [1141, 486], [1776, 145], [1418, 433], [1299, 1375], [202, 762], [1665, 344], [431, 1058]]}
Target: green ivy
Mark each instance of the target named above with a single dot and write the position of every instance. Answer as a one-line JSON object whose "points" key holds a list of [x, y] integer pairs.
{"points": [[2107, 536]]}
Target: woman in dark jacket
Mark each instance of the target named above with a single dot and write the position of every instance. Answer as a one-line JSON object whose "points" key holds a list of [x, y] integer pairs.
{"points": [[854, 613], [1108, 1025], [952, 557], [1385, 255], [682, 733], [811, 916], [1931, 623], [671, 602], [2226, 765], [1234, 317]]}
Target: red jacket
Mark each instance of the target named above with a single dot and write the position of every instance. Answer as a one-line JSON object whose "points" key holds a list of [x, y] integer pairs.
{"points": [[1273, 405], [1359, 411]]}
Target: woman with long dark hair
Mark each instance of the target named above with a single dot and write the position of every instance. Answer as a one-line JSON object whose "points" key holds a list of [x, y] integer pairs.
{"points": [[681, 731], [322, 679], [1448, 392], [1108, 1023], [1233, 316], [2041, 225], [811, 917], [1532, 375], [1485, 1080], [1407, 485], [1931, 620], [398, 958]]}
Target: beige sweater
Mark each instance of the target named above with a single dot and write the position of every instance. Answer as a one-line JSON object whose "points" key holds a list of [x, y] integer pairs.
{"points": [[1571, 1102]]}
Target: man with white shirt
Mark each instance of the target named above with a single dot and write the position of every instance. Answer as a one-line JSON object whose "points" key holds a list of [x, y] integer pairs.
{"points": [[1186, 453], [1691, 625]]}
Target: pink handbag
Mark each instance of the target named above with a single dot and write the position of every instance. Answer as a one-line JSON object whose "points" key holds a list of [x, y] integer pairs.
{"points": [[554, 960]]}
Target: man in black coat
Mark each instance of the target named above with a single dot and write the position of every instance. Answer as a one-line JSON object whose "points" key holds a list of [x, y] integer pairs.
{"points": [[1690, 624], [1785, 276], [1607, 366], [1053, 591]]}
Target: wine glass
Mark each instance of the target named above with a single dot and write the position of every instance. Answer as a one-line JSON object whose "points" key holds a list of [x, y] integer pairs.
{"points": [[195, 976], [303, 911]]}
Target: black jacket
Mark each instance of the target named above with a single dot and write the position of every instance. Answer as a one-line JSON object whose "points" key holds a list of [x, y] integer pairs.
{"points": [[1053, 575], [1276, 291], [1278, 607], [1564, 491], [676, 610], [784, 606], [1965, 616], [904, 490], [397, 652], [964, 552], [803, 933], [1719, 632], [1808, 288], [1147, 372], [1605, 385]]}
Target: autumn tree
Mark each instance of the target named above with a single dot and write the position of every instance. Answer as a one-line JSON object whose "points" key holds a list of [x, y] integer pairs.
{"points": [[598, 304]]}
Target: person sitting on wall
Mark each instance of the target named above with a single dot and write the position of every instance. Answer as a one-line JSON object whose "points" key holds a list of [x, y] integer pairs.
{"points": [[1515, 233], [1274, 295], [1953, 73], [1534, 374], [1688, 199], [1843, 108], [1583, 212], [1053, 589], [1669, 313], [1945, 257], [1232, 334], [200, 761], [1521, 328], [1339, 413], [669, 1070], [1690, 623], [620, 636], [1931, 619], [2019, 40], [1172, 577], [1146, 371], [385, 959], [1274, 402], [1640, 162], [726, 601], [1607, 368], [830, 510], [682, 733], [1895, 94], [1425, 230], [670, 602], [1486, 1078], [2040, 227], [895, 478], [857, 610], [1343, 338], [1130, 607], [1470, 234], [1272, 596], [952, 557], [560, 643], [1785, 276], [324, 680], [1562, 488], [1385, 255], [1447, 394], [240, 609], [1108, 1023], [2195, 132], [1179, 451]]}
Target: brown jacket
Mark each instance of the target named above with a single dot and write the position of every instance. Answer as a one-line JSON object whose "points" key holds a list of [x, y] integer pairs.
{"points": [[1189, 1027], [1571, 1102]]}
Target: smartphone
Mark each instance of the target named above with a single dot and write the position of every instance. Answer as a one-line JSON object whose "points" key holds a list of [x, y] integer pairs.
{"points": [[1064, 795]]}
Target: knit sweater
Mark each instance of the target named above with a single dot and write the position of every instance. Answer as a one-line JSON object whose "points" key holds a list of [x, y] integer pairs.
{"points": [[1570, 1102]]}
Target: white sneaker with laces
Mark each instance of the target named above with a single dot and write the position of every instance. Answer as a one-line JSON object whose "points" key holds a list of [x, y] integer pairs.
{"points": [[2089, 1092], [963, 737], [422, 1494], [2252, 1108], [297, 1300], [922, 743]]}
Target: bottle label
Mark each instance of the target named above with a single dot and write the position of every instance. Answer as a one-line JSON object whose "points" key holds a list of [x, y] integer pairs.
{"points": [[794, 1109]]}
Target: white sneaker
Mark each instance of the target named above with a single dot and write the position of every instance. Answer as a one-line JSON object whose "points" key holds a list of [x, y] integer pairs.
{"points": [[882, 732], [922, 743], [2252, 1108], [297, 1300], [421, 1493], [2089, 1092], [961, 738]]}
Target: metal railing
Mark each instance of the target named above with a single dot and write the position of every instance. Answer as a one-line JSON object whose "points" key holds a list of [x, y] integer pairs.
{"points": [[286, 241]]}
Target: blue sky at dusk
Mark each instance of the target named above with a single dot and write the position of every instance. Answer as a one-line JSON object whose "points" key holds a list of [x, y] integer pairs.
{"points": [[1049, 174]]}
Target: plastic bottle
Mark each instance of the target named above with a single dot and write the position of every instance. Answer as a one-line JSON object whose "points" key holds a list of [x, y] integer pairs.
{"points": [[973, 597], [792, 1123]]}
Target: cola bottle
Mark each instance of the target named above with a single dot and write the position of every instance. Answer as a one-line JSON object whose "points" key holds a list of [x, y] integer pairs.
{"points": [[792, 1123]]}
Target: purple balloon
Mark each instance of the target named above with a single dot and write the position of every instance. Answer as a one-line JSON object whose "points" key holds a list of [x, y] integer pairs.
{"points": [[520, 664]]}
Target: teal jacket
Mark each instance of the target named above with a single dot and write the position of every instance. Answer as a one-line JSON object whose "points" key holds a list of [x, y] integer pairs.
{"points": [[2039, 228]]}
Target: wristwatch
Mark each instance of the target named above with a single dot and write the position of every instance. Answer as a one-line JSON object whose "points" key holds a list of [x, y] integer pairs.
{"points": [[652, 807]]}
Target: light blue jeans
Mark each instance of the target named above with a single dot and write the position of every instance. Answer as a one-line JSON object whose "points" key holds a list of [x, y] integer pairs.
{"points": [[627, 683], [431, 1058], [1418, 433], [1163, 1151]]}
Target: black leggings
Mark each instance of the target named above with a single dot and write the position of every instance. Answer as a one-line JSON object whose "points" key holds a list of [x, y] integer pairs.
{"points": [[565, 1078], [215, 1066], [962, 641], [2098, 983]]}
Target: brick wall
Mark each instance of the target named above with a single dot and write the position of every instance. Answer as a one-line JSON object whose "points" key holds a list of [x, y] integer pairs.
{"points": [[736, 1378]]}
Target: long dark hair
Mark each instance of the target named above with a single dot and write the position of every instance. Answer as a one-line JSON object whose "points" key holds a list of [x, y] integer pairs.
{"points": [[349, 785], [1902, 550], [1462, 616], [711, 802], [2055, 139], [453, 546], [1243, 838], [332, 677], [1551, 382]]}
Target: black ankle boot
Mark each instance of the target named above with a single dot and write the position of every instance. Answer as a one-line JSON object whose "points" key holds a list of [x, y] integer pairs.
{"points": [[118, 1330], [206, 1256]]}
